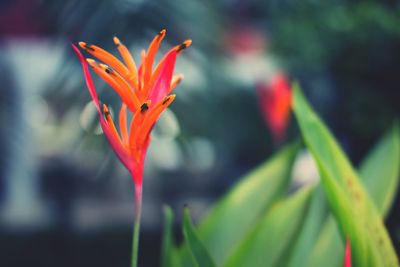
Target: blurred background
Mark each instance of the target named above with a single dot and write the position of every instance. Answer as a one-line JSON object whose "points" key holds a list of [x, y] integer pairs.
{"points": [[65, 200]]}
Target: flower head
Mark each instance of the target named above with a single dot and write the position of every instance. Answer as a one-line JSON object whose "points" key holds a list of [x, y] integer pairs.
{"points": [[144, 91], [275, 101]]}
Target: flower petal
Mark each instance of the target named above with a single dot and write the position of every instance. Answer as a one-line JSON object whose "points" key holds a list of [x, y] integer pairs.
{"points": [[117, 83], [155, 75], [347, 255], [119, 150], [116, 145], [176, 79], [129, 61], [88, 78], [151, 118], [123, 124], [275, 100], [107, 58], [162, 83], [151, 53]]}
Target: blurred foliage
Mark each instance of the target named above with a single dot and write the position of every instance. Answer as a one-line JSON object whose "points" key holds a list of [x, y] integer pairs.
{"points": [[381, 190], [295, 222], [348, 51], [357, 216]]}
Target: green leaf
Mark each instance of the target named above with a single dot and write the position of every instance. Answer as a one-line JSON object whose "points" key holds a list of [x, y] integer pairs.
{"points": [[169, 252], [380, 170], [199, 253], [380, 175], [271, 238], [354, 211], [314, 219], [232, 217], [328, 251]]}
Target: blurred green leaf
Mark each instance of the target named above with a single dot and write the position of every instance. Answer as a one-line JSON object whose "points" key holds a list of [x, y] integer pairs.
{"points": [[309, 232], [380, 175], [329, 248], [356, 214], [270, 239], [231, 218], [169, 252], [199, 253], [380, 170]]}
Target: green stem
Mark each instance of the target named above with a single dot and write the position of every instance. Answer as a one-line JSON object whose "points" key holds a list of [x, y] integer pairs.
{"points": [[136, 226]]}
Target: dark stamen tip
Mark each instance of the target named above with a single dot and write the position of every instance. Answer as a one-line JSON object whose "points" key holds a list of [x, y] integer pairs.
{"points": [[89, 47], [108, 70], [117, 42], [181, 47], [166, 100], [160, 33], [144, 108], [106, 112]]}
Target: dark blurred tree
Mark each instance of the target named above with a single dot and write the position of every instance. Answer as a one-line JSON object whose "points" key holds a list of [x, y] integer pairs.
{"points": [[347, 51]]}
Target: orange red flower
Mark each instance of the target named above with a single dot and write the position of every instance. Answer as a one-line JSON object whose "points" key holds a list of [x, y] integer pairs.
{"points": [[144, 91], [275, 101], [347, 255]]}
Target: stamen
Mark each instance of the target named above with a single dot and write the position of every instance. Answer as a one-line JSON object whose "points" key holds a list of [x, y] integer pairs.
{"points": [[117, 42], [108, 70], [166, 100], [162, 32], [144, 108], [110, 122], [184, 45], [142, 71], [91, 62], [152, 117], [107, 58], [128, 92], [143, 55], [129, 61], [176, 79], [181, 47], [118, 84], [86, 46], [137, 122], [122, 124], [106, 112], [151, 53]]}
